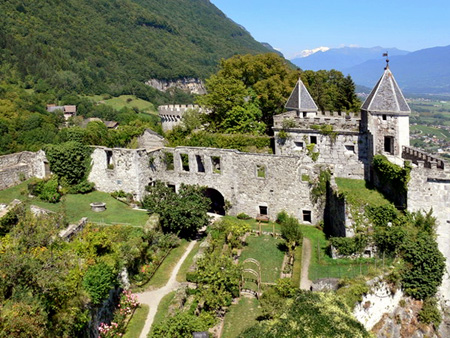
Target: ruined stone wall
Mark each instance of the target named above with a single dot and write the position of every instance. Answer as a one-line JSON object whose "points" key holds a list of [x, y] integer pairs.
{"points": [[19, 166], [172, 114], [346, 152], [430, 188], [236, 177]]}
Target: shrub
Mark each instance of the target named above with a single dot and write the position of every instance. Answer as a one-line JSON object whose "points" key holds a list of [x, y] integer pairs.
{"points": [[430, 312], [83, 187], [348, 246], [49, 191], [243, 216], [97, 281], [282, 216], [382, 215]]}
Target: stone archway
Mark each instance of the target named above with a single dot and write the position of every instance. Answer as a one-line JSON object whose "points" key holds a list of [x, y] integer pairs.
{"points": [[217, 201]]}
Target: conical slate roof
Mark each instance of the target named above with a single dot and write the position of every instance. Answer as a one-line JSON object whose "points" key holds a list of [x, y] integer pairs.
{"points": [[300, 99], [386, 97]]}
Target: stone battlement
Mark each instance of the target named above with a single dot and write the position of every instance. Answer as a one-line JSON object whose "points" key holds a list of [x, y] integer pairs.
{"points": [[176, 109], [422, 159], [348, 123]]}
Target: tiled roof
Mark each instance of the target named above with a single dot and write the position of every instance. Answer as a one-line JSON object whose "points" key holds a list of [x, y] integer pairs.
{"points": [[300, 99], [386, 96]]}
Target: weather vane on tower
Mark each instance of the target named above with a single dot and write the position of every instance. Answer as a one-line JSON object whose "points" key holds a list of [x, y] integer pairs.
{"points": [[387, 59]]}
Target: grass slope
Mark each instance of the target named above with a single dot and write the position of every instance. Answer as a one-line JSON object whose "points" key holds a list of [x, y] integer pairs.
{"points": [[137, 322], [240, 317], [77, 206]]}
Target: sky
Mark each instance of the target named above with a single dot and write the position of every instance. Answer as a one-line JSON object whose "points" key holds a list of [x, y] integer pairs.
{"points": [[293, 26]]}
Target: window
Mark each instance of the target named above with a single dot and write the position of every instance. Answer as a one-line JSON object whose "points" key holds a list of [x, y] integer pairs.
{"points": [[261, 171], [313, 139], [389, 144], [262, 210], [109, 155], [298, 144], [384, 117], [305, 114], [185, 161], [200, 164], [215, 161], [168, 161], [173, 187], [307, 216]]}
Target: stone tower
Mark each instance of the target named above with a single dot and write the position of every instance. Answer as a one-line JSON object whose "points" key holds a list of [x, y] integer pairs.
{"points": [[385, 117]]}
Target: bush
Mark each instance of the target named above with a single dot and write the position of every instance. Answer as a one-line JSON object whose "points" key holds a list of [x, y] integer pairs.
{"points": [[282, 216], [348, 246], [97, 281], [382, 215], [83, 187], [243, 216], [430, 312], [49, 191]]}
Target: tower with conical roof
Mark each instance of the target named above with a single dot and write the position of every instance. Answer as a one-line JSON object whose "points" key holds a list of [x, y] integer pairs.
{"points": [[301, 101], [385, 117]]}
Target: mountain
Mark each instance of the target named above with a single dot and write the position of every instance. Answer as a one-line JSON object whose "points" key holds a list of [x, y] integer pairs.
{"points": [[423, 71], [104, 45], [341, 58], [308, 52]]}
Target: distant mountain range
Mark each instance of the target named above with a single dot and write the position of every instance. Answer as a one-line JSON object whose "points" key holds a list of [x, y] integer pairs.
{"points": [[341, 58], [425, 71]]}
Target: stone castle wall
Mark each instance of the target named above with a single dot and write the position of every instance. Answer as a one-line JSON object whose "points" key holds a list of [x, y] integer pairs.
{"points": [[429, 188], [19, 166], [230, 172]]}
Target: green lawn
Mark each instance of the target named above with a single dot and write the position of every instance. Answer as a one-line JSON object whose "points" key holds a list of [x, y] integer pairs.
{"points": [[162, 275], [240, 317], [163, 309], [137, 322], [129, 101], [77, 206], [297, 269], [181, 276], [265, 249]]}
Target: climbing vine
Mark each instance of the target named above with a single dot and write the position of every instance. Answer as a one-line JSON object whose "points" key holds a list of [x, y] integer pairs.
{"points": [[326, 129], [392, 174]]}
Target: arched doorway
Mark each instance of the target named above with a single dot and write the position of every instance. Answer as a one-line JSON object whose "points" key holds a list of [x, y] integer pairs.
{"points": [[217, 201]]}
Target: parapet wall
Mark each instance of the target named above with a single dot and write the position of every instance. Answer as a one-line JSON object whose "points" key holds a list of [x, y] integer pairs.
{"points": [[416, 156], [17, 167], [349, 123]]}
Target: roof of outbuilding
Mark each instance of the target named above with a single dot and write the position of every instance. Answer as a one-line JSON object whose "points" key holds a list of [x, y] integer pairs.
{"points": [[300, 99], [386, 96]]}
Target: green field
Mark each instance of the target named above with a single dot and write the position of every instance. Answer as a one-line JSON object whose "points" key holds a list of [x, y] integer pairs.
{"points": [[78, 206], [137, 322], [122, 101]]}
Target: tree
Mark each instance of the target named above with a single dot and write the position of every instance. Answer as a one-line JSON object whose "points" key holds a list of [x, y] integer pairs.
{"points": [[258, 84], [291, 233], [69, 160], [183, 213]]}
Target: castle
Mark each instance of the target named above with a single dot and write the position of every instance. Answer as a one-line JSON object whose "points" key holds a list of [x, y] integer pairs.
{"points": [[307, 142]]}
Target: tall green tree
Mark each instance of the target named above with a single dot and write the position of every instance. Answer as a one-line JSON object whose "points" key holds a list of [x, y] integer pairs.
{"points": [[262, 81]]}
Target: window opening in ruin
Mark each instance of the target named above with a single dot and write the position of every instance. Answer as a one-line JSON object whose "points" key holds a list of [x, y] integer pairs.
{"points": [[168, 161], [313, 139], [262, 210], [200, 164], [185, 161], [298, 144], [384, 117], [109, 155], [389, 144], [305, 114], [350, 148], [261, 171], [172, 186], [307, 216], [215, 160]]}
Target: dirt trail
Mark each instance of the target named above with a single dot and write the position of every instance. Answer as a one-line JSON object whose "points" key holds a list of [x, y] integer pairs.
{"points": [[305, 283], [152, 298]]}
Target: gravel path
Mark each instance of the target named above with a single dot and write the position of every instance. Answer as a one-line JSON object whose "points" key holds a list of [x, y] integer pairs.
{"points": [[305, 283], [152, 298]]}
